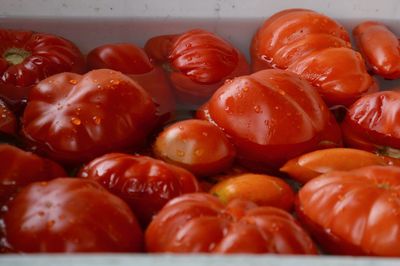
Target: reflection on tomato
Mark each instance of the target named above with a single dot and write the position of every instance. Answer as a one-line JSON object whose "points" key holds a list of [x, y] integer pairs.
{"points": [[318, 49], [146, 184], [71, 215], [272, 116], [28, 57], [196, 145], [380, 48], [8, 122], [199, 222], [354, 212], [73, 118]]}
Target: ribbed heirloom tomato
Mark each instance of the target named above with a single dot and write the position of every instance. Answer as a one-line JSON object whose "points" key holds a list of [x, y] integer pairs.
{"points": [[28, 57], [199, 222], [74, 118], [70, 215], [271, 116]]}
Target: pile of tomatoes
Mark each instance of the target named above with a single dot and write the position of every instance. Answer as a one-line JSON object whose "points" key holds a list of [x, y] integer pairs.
{"points": [[184, 146]]}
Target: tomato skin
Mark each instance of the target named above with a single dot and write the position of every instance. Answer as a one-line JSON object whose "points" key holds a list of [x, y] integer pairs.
{"points": [[318, 49], [39, 56], [8, 122], [71, 215], [372, 123], [19, 168], [310, 165], [198, 63], [159, 47], [380, 48], [73, 118], [134, 62], [361, 207], [146, 184], [198, 222], [263, 190], [259, 112], [195, 145]]}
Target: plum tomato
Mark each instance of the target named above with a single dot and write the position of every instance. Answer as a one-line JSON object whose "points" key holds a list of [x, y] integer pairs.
{"points": [[199, 222], [318, 49], [313, 164], [380, 48], [195, 145], [8, 121], [19, 168], [354, 212], [146, 184], [71, 215], [74, 118], [28, 57], [198, 63], [272, 116], [133, 61], [263, 190], [373, 123]]}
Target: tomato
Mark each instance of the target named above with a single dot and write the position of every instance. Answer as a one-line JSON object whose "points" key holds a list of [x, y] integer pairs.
{"points": [[28, 57], [71, 215], [146, 184], [19, 168], [373, 123], [313, 164], [198, 63], [158, 47], [8, 122], [133, 61], [318, 49], [264, 190], [199, 222], [354, 212], [73, 118], [260, 113], [380, 48], [196, 145]]}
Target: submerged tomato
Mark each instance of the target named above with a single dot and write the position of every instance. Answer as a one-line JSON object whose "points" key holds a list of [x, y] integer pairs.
{"points": [[8, 122], [146, 184], [199, 222], [373, 123], [73, 118], [380, 48], [198, 62], [272, 116], [19, 168], [28, 57], [196, 145], [71, 215], [354, 212], [133, 61], [318, 49]]}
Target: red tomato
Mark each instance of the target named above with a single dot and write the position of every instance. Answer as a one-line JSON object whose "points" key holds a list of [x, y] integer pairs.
{"points": [[74, 118], [260, 113], [146, 184], [71, 215], [263, 190], [133, 61], [28, 57], [19, 168], [318, 49], [8, 122], [200, 223], [196, 145], [373, 123], [380, 48], [354, 212], [310, 165], [158, 47], [199, 62]]}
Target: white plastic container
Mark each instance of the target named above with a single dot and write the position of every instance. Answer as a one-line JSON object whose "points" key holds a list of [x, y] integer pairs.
{"points": [[90, 23]]}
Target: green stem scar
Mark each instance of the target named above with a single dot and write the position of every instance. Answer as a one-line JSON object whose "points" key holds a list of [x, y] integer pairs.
{"points": [[15, 56]]}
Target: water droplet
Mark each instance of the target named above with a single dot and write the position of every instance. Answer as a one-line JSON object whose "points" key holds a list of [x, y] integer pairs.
{"points": [[227, 108], [99, 86], [281, 92], [180, 127], [188, 45], [180, 153], [198, 152], [257, 108], [3, 115], [245, 89], [228, 81], [73, 81], [276, 107], [189, 58], [43, 184], [76, 121], [98, 106], [97, 120], [205, 134]]}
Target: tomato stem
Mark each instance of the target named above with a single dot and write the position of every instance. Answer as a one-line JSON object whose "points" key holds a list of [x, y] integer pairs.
{"points": [[15, 56], [389, 151]]}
